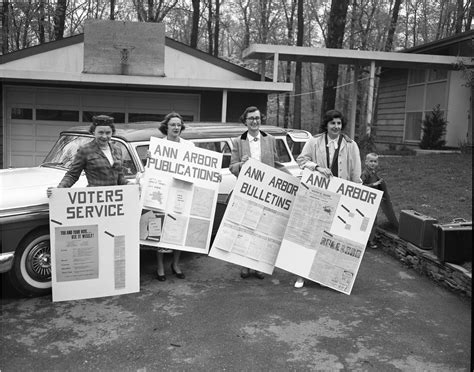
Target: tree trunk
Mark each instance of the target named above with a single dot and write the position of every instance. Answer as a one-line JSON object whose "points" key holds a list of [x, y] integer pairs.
{"points": [[59, 19], [393, 26], [290, 18], [195, 24], [298, 68], [469, 17], [459, 16], [41, 32], [149, 16], [5, 28], [112, 10], [216, 28], [335, 35], [209, 28]]}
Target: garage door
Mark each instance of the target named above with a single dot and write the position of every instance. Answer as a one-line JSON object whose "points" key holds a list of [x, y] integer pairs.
{"points": [[35, 116]]}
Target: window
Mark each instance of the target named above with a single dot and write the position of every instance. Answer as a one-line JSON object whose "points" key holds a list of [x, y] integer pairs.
{"points": [[135, 117], [119, 117], [129, 168], [64, 150], [22, 113], [434, 75], [141, 152], [218, 146], [426, 89], [413, 126], [57, 115], [283, 154]]}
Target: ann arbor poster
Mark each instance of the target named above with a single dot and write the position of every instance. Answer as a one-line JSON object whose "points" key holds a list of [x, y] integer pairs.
{"points": [[328, 229], [254, 222], [179, 196]]}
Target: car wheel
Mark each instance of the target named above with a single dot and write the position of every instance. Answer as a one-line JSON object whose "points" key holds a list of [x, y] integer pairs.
{"points": [[31, 271]]}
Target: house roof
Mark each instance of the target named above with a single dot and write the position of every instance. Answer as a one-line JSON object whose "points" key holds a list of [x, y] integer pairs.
{"points": [[460, 44], [229, 76], [410, 58]]}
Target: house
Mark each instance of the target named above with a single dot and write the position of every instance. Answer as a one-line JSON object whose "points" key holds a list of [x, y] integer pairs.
{"points": [[411, 83], [128, 70], [407, 95]]}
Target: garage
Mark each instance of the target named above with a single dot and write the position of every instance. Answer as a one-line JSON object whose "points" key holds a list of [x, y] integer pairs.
{"points": [[35, 115], [52, 86]]}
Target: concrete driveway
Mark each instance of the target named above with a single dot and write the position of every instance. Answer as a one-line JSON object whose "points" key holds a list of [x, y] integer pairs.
{"points": [[215, 321]]}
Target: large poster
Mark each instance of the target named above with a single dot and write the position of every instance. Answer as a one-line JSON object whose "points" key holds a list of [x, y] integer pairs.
{"points": [[254, 222], [94, 241], [179, 196], [328, 229]]}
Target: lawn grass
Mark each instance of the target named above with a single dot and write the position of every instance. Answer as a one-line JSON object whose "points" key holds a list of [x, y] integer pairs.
{"points": [[436, 185]]}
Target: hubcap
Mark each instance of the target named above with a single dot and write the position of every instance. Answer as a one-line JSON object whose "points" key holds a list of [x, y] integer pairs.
{"points": [[38, 262]]}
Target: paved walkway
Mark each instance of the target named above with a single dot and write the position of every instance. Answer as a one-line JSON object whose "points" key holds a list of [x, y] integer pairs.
{"points": [[213, 320]]}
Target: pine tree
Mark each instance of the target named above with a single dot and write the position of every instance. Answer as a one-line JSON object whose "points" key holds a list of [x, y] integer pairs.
{"points": [[434, 129]]}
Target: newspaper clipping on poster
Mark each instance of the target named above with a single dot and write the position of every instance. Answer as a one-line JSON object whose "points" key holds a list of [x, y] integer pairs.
{"points": [[179, 196], [94, 241], [328, 230], [254, 222]]}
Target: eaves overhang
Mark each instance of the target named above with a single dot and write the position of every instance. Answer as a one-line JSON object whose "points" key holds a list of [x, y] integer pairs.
{"points": [[355, 57], [17, 76]]}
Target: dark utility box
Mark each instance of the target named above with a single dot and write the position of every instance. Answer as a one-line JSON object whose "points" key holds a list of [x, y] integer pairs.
{"points": [[417, 228], [452, 242]]}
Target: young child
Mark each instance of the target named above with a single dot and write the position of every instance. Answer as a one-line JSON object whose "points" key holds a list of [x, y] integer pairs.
{"points": [[370, 178]]}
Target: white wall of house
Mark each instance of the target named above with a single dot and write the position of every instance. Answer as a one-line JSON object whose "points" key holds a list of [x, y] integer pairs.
{"points": [[459, 111], [70, 59]]}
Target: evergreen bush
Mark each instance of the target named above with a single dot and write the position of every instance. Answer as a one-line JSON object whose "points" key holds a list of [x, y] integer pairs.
{"points": [[434, 129]]}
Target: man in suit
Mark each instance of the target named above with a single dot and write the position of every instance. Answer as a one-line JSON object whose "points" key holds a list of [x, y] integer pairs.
{"points": [[256, 144]]}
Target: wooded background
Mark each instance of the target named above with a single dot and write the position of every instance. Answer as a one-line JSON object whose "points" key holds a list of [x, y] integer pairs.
{"points": [[224, 28]]}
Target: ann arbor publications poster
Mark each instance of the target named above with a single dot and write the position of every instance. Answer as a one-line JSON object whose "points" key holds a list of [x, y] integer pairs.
{"points": [[94, 241], [254, 222], [179, 196], [328, 229]]}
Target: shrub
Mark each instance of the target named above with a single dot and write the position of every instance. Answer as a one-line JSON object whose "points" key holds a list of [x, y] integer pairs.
{"points": [[434, 129]]}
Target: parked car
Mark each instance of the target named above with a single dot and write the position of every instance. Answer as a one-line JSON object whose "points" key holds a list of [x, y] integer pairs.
{"points": [[24, 207]]}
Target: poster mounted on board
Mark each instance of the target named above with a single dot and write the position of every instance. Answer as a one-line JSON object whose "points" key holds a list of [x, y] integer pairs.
{"points": [[254, 222], [94, 241], [179, 196], [328, 229]]}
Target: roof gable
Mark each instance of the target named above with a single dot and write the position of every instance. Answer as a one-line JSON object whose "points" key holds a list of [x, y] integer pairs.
{"points": [[181, 61]]}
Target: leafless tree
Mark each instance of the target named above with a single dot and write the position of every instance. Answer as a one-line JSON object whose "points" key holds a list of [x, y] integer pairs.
{"points": [[195, 23], [335, 37], [59, 19]]}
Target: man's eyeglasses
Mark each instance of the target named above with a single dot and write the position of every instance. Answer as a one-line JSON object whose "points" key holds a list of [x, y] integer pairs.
{"points": [[253, 118]]}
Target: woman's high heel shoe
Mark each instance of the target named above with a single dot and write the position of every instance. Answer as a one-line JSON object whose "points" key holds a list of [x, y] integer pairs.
{"points": [[161, 278], [178, 275]]}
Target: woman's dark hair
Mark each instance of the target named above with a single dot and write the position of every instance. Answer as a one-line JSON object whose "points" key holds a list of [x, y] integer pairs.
{"points": [[164, 124], [102, 120], [248, 110], [328, 116]]}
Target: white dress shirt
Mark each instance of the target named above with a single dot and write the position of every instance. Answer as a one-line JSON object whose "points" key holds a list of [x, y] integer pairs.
{"points": [[332, 145], [255, 146]]}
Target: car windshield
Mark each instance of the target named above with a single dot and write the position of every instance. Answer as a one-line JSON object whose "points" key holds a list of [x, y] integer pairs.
{"points": [[62, 153]]}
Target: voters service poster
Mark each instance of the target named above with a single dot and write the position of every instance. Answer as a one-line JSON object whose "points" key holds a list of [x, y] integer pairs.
{"points": [[179, 196], [328, 229], [94, 241], [254, 222]]}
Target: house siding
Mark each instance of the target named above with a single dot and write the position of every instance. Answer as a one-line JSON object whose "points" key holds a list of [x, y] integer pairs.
{"points": [[391, 104]]}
